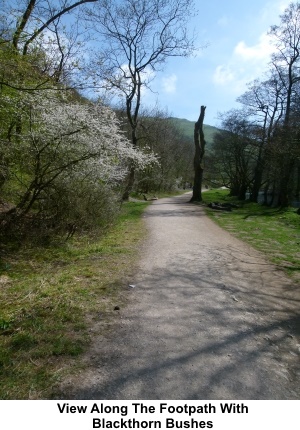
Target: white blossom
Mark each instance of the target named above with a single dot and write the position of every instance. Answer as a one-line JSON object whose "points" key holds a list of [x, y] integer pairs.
{"points": [[79, 137]]}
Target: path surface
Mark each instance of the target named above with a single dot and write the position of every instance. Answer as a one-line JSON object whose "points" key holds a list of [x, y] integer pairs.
{"points": [[209, 318]]}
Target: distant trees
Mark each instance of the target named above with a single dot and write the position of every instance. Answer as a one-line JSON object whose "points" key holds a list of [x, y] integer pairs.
{"points": [[136, 39], [263, 110], [234, 150], [269, 146], [174, 152]]}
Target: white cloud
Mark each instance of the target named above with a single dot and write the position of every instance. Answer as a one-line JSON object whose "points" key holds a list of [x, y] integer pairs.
{"points": [[283, 4], [231, 78], [169, 83], [261, 51], [223, 75], [249, 61], [246, 63], [271, 11]]}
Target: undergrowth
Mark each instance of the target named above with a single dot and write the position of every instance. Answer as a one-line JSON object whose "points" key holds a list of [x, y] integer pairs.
{"points": [[49, 295]]}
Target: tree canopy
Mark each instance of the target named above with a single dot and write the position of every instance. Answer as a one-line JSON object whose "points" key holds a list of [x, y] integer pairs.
{"points": [[267, 158], [66, 159]]}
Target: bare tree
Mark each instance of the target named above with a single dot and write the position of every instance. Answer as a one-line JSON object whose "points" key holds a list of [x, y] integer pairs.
{"points": [[137, 38], [199, 141], [263, 106], [286, 62], [270, 117], [38, 41], [234, 150], [44, 19]]}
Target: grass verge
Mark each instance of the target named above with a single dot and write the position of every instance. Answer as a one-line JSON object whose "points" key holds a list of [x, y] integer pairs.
{"points": [[276, 232], [48, 297]]}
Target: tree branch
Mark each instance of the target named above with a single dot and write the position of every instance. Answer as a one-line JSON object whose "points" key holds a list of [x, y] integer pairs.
{"points": [[53, 18], [23, 23]]}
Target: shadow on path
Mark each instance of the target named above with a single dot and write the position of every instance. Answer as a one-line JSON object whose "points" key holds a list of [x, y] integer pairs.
{"points": [[209, 319]]}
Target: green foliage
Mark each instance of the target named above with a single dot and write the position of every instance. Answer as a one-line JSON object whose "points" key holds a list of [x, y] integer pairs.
{"points": [[174, 152], [187, 128], [261, 149], [49, 296], [4, 324], [63, 163]]}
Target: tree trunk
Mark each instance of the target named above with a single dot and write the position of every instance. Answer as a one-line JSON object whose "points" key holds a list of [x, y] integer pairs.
{"points": [[131, 176], [242, 192], [285, 184], [298, 183], [198, 159], [258, 176], [129, 184]]}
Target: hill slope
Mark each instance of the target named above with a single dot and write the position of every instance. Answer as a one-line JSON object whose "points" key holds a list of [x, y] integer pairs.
{"points": [[188, 129]]}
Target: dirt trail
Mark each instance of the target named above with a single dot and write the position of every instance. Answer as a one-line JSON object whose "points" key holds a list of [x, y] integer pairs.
{"points": [[209, 318]]}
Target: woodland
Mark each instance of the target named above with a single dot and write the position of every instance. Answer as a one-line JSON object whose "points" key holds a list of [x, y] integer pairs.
{"points": [[75, 136], [80, 152], [77, 140], [257, 153]]}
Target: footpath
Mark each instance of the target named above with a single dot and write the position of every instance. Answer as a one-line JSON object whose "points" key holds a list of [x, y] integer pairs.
{"points": [[208, 318]]}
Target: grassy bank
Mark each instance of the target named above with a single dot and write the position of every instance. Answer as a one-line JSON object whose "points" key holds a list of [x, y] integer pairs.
{"points": [[49, 297], [274, 231]]}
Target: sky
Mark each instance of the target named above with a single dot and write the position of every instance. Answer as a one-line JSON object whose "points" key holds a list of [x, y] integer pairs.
{"points": [[238, 51]]}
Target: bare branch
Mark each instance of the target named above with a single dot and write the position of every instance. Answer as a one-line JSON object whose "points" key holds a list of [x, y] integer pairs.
{"points": [[52, 19]]}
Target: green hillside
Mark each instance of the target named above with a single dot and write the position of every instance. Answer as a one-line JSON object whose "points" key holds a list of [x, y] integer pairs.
{"points": [[188, 129]]}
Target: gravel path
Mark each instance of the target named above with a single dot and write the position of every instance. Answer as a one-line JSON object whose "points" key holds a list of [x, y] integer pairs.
{"points": [[209, 318]]}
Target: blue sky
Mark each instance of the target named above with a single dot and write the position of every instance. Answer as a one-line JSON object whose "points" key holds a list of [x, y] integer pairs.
{"points": [[238, 52]]}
